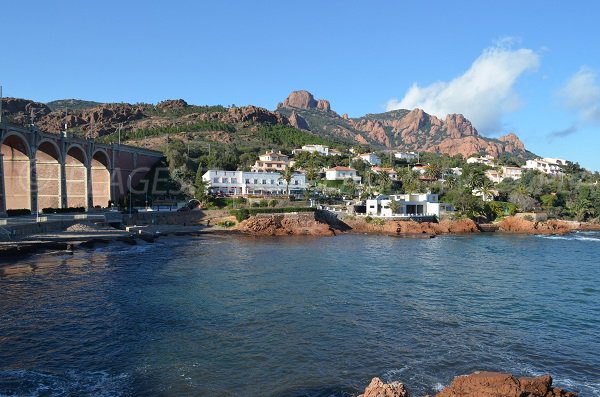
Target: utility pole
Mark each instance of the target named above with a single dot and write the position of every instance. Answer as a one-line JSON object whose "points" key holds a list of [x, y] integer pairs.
{"points": [[0, 103], [120, 126]]}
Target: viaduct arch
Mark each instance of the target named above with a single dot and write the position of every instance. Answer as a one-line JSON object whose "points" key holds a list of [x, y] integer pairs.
{"points": [[43, 170]]}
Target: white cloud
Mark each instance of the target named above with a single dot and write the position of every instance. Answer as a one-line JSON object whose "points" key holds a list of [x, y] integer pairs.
{"points": [[582, 94], [484, 93]]}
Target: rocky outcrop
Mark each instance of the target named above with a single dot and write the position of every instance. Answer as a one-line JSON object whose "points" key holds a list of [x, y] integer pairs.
{"points": [[495, 384], [303, 224], [298, 121], [413, 130], [94, 122], [305, 100], [323, 104], [513, 224], [172, 104], [409, 227], [22, 110], [478, 384], [253, 114], [379, 389]]}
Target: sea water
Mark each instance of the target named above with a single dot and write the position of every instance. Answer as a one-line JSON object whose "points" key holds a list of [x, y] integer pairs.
{"points": [[299, 316]]}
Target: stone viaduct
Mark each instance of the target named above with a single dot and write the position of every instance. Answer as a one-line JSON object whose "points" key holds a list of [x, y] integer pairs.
{"points": [[42, 170]]}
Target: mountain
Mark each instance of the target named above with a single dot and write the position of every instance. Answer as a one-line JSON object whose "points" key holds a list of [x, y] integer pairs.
{"points": [[413, 130], [300, 119], [152, 126]]}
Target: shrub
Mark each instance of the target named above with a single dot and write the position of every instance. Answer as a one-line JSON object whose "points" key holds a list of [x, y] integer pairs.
{"points": [[226, 224], [244, 213], [273, 203], [62, 210], [241, 214], [18, 212], [263, 203]]}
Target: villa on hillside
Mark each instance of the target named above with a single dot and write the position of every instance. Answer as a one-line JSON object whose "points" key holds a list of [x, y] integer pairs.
{"points": [[243, 183], [556, 161], [271, 161], [341, 174], [498, 175], [321, 149], [408, 205], [487, 160], [408, 156], [543, 166], [370, 158], [390, 171]]}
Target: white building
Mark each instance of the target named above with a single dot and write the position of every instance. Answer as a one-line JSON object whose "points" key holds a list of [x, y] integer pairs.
{"points": [[390, 171], [321, 149], [408, 156], [498, 175], [409, 205], [243, 183], [487, 160], [543, 166], [555, 161], [370, 158], [271, 161], [341, 174]]}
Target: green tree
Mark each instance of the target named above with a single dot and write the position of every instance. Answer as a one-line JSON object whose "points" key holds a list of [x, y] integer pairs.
{"points": [[200, 186], [287, 175]]}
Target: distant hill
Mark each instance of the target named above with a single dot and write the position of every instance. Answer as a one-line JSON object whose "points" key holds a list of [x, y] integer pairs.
{"points": [[248, 128], [76, 104], [300, 119], [402, 129]]}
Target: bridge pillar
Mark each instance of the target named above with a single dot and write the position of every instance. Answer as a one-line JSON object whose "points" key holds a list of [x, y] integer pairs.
{"points": [[90, 192], [63, 183], [2, 192], [33, 191]]}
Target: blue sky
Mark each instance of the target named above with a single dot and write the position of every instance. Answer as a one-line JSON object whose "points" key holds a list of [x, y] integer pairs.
{"points": [[527, 67]]}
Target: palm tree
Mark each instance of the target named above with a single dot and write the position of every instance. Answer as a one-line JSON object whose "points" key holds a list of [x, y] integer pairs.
{"points": [[287, 176]]}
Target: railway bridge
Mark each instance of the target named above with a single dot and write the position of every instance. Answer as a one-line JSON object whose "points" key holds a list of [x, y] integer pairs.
{"points": [[44, 170]]}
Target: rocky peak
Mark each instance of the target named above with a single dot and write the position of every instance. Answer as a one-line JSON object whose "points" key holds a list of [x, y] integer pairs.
{"points": [[323, 104], [458, 126], [172, 104], [513, 141], [305, 100]]}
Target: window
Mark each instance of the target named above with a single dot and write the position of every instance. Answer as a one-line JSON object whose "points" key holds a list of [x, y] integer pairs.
{"points": [[264, 181], [247, 180], [215, 180], [233, 180], [255, 181], [272, 181], [295, 182]]}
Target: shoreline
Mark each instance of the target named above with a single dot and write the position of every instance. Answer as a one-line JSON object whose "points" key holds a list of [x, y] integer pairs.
{"points": [[66, 242]]}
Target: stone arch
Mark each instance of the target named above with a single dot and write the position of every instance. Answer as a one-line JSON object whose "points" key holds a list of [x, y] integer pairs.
{"points": [[16, 170], [100, 166], [76, 176], [48, 175]]}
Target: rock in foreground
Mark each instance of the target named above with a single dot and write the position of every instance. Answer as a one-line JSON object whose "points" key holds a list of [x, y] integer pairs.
{"points": [[379, 389], [303, 224], [478, 384]]}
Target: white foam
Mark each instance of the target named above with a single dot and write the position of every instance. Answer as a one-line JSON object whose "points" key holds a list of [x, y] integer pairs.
{"points": [[36, 383]]}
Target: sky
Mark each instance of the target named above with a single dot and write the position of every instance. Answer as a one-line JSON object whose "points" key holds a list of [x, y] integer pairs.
{"points": [[528, 67]]}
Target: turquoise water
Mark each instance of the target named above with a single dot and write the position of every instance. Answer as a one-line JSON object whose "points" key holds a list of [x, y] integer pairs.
{"points": [[240, 316]]}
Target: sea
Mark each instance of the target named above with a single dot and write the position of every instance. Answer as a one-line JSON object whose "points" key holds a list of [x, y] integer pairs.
{"points": [[230, 315]]}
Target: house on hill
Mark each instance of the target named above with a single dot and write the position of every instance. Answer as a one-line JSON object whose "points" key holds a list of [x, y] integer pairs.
{"points": [[271, 161], [340, 173]]}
